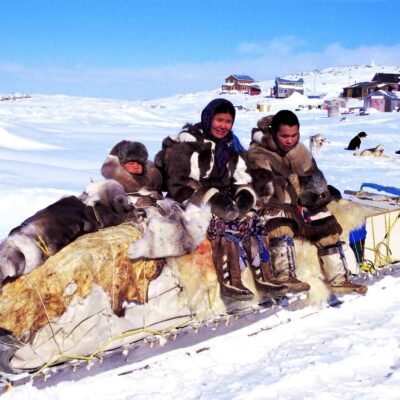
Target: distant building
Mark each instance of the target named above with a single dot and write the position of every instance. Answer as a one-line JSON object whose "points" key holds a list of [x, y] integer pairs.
{"points": [[284, 88], [239, 83], [361, 90], [382, 101], [254, 90], [393, 80]]}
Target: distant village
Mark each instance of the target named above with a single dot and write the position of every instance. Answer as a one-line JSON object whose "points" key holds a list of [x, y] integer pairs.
{"points": [[379, 93]]}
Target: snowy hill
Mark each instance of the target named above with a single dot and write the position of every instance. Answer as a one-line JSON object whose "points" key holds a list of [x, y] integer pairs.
{"points": [[53, 145]]}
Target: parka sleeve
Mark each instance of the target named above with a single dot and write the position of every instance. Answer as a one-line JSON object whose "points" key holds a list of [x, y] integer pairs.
{"points": [[179, 166], [242, 180]]}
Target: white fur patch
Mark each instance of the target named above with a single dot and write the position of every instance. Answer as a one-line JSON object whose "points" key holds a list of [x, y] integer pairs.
{"points": [[94, 188], [194, 166], [212, 161], [257, 136], [33, 255], [173, 234], [240, 176], [210, 193], [320, 215], [183, 137]]}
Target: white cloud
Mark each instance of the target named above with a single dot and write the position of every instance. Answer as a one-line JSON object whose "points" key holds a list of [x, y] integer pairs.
{"points": [[278, 57], [280, 45]]}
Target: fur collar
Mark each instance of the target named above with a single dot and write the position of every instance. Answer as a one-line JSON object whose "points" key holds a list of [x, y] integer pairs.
{"points": [[264, 139]]}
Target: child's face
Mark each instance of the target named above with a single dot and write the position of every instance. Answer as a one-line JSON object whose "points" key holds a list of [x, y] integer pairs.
{"points": [[134, 167]]}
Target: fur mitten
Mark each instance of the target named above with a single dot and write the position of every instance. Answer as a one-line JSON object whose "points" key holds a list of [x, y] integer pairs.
{"points": [[315, 193], [224, 207], [314, 201], [245, 201]]}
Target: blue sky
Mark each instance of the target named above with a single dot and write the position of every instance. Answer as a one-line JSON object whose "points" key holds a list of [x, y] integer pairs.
{"points": [[148, 49]]}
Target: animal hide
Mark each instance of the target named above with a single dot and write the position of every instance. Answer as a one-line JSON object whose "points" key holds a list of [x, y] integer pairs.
{"points": [[172, 231], [51, 229]]}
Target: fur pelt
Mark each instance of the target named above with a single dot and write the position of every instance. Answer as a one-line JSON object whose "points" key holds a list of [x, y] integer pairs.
{"points": [[349, 215], [51, 229], [109, 193], [171, 231]]}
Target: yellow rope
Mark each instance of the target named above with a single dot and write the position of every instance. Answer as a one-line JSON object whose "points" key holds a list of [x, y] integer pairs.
{"points": [[43, 246], [108, 342], [380, 259]]}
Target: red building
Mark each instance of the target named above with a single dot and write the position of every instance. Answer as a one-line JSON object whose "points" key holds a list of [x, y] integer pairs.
{"points": [[239, 83]]}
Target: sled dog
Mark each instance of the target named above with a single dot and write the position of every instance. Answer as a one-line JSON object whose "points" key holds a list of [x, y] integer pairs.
{"points": [[316, 143], [374, 152], [355, 143]]}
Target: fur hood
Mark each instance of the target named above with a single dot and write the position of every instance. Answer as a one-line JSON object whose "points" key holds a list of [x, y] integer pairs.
{"points": [[150, 180], [127, 151], [262, 135]]}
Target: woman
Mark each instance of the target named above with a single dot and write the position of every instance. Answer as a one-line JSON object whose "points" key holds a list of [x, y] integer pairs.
{"points": [[203, 164]]}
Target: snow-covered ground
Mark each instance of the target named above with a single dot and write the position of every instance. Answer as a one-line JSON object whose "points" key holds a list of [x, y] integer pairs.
{"points": [[51, 146]]}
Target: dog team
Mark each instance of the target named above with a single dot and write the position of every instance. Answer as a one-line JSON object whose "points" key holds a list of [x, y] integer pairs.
{"points": [[317, 141], [250, 204]]}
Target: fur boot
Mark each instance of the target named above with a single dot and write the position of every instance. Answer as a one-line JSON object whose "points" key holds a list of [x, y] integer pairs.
{"points": [[226, 260], [333, 265], [265, 282], [283, 263]]}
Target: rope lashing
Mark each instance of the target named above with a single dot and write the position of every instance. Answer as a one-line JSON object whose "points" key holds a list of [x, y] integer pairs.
{"points": [[43, 246]]}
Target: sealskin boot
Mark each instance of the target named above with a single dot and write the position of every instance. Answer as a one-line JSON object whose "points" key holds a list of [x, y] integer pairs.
{"points": [[266, 284], [333, 264], [226, 260], [283, 264]]}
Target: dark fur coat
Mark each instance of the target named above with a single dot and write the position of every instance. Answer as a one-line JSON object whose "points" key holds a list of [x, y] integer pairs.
{"points": [[190, 170]]}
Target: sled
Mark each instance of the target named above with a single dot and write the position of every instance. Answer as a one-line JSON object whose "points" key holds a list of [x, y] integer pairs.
{"points": [[168, 340], [89, 308], [382, 226]]}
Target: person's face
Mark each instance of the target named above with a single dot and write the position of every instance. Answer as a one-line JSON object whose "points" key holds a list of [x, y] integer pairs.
{"points": [[134, 167], [221, 125], [287, 137]]}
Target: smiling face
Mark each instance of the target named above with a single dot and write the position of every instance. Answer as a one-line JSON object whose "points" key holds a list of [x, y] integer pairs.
{"points": [[287, 137], [221, 125]]}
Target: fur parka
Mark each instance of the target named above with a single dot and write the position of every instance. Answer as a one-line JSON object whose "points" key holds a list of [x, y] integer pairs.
{"points": [[190, 171], [125, 151], [281, 176], [284, 180]]}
